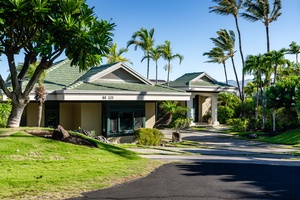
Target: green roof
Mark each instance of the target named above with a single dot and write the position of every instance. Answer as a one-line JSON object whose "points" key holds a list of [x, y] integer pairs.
{"points": [[60, 75], [64, 77], [190, 80], [185, 79]]}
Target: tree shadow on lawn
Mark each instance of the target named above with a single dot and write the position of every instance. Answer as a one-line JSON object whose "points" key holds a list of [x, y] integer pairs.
{"points": [[259, 181]]}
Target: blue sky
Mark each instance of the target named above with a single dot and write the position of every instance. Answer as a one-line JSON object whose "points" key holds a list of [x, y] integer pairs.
{"points": [[189, 26]]}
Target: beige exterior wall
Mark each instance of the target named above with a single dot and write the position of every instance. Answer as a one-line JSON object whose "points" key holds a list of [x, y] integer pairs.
{"points": [[91, 117], [32, 114], [66, 115], [150, 115], [205, 106]]}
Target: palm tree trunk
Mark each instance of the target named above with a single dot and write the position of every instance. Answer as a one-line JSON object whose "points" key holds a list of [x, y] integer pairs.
{"points": [[236, 77], [225, 72], [242, 56], [40, 110], [168, 78], [156, 71], [268, 38], [148, 63]]}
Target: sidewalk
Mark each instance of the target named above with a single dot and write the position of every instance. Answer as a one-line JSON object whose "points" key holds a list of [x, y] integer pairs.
{"points": [[222, 148]]}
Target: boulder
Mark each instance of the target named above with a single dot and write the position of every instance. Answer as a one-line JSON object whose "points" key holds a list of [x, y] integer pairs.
{"points": [[60, 133]]}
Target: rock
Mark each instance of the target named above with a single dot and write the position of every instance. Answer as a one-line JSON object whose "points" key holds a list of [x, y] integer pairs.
{"points": [[60, 133], [176, 137], [252, 136]]}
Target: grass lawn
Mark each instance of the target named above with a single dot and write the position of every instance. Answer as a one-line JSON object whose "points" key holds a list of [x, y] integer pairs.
{"points": [[289, 138], [38, 168]]}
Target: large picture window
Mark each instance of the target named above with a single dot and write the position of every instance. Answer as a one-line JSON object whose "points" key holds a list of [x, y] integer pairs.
{"points": [[124, 119]]}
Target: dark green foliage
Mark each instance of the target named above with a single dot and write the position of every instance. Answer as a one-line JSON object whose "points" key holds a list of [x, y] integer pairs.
{"points": [[181, 123], [238, 124], [149, 136], [225, 113], [5, 109]]}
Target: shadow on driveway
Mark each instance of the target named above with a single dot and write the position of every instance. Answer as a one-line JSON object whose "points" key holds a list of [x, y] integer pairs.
{"points": [[209, 181]]}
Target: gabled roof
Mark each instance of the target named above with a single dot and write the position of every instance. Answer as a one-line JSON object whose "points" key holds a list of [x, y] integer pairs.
{"points": [[200, 81], [64, 82]]}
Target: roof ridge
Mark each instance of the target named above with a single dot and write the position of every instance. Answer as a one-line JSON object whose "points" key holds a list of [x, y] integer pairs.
{"points": [[57, 65], [74, 85]]}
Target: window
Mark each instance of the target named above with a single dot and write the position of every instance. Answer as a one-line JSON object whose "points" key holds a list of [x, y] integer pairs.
{"points": [[123, 119]]}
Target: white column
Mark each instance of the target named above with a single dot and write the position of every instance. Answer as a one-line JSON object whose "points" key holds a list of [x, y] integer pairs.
{"points": [[191, 111], [214, 109]]}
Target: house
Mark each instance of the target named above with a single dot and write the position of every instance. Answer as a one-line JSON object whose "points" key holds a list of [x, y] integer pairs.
{"points": [[204, 92], [113, 99]]}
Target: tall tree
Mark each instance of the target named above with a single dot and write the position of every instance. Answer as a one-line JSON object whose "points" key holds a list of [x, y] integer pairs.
{"points": [[259, 10], [47, 29], [155, 54], [168, 55], [217, 55], [115, 55], [232, 7], [294, 49], [274, 59], [226, 42], [255, 65], [143, 39]]}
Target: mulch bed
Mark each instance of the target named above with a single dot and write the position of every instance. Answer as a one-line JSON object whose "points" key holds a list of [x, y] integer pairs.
{"points": [[71, 139]]}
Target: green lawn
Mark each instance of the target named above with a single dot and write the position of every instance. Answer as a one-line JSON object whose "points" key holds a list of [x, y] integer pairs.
{"points": [[289, 138], [35, 167]]}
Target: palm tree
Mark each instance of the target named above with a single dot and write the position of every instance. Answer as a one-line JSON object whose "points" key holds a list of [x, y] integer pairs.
{"points": [[170, 108], [155, 54], [145, 42], [115, 55], [259, 10], [167, 54], [294, 49], [255, 65], [232, 7], [40, 96], [226, 42], [217, 55], [274, 59]]}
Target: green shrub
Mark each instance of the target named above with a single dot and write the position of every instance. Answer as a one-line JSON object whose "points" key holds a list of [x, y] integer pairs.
{"points": [[5, 109], [238, 124], [148, 136], [181, 123], [225, 113]]}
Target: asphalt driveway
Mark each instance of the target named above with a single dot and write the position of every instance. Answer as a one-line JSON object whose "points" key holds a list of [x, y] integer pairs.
{"points": [[208, 181], [221, 167]]}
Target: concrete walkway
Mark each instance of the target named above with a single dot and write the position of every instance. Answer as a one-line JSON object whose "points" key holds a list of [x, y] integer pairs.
{"points": [[222, 148]]}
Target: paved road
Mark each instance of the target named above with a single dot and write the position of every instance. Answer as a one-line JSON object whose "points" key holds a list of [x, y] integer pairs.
{"points": [[217, 147], [208, 181]]}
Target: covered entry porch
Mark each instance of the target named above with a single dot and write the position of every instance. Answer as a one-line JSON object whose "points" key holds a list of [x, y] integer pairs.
{"points": [[203, 108], [203, 102]]}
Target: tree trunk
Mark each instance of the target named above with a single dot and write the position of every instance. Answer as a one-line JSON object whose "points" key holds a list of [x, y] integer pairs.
{"points": [[268, 38], [225, 72], [168, 78], [242, 57], [236, 77], [148, 63], [40, 113], [156, 71], [16, 113]]}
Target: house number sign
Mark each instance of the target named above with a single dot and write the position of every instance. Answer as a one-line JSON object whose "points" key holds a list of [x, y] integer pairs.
{"points": [[108, 97]]}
